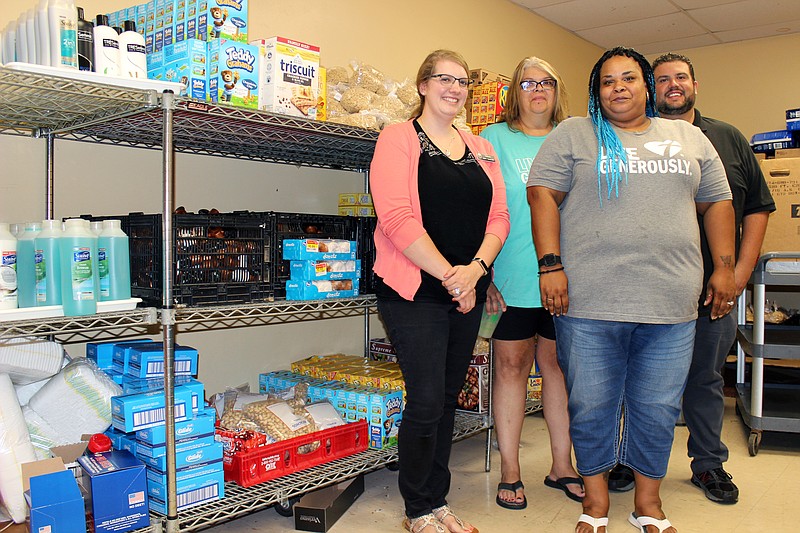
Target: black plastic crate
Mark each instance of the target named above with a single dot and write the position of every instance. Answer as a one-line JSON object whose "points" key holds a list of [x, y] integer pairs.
{"points": [[219, 258], [306, 226], [366, 251]]}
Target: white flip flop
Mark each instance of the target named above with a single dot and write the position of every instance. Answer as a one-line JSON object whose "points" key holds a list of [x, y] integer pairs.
{"points": [[594, 522], [643, 521]]}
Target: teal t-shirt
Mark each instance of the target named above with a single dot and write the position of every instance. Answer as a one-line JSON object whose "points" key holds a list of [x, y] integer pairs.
{"points": [[516, 268]]}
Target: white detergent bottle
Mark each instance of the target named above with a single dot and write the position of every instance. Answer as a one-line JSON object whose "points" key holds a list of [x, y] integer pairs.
{"points": [[62, 18], [132, 58], [30, 23], [115, 274], [8, 268], [22, 39], [42, 33], [10, 42], [26, 265], [48, 265], [106, 48], [77, 268]]}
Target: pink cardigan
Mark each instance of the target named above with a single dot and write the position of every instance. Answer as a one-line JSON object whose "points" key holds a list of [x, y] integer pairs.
{"points": [[394, 185]]}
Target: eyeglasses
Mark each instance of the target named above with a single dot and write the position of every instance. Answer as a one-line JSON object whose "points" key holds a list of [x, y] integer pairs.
{"points": [[547, 84], [447, 80]]}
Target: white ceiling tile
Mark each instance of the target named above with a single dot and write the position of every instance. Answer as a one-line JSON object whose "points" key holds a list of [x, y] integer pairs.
{"points": [[757, 32], [694, 4], [667, 27], [746, 14], [533, 4], [662, 47], [582, 14]]}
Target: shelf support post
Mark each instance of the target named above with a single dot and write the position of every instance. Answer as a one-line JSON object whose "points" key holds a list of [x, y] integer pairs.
{"points": [[168, 313], [49, 184]]}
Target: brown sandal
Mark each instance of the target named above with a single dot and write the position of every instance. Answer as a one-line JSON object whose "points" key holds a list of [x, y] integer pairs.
{"points": [[444, 511], [418, 525]]}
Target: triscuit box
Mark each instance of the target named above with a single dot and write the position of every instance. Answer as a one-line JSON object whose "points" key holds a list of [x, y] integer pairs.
{"points": [[783, 229], [289, 81], [237, 72]]}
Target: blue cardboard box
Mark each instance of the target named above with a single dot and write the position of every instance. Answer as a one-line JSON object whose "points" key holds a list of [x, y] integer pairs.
{"points": [[147, 361], [116, 485], [102, 353], [132, 412], [157, 435], [54, 498]]}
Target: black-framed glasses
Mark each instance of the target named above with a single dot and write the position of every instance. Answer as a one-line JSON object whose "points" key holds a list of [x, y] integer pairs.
{"points": [[547, 84], [447, 80]]}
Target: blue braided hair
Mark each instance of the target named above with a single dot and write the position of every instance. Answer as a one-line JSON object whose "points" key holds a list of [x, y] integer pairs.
{"points": [[608, 142]]}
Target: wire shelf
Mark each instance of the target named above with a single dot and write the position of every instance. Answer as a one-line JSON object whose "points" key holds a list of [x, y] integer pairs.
{"points": [[61, 327], [33, 103]]}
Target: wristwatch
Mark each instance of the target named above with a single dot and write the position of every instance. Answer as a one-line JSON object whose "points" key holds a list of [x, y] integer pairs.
{"points": [[483, 265], [550, 260]]}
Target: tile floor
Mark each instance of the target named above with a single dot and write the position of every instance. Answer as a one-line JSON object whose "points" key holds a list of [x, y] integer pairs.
{"points": [[769, 485]]}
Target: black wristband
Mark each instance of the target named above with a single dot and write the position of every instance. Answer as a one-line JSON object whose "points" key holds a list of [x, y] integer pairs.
{"points": [[482, 264], [559, 269]]}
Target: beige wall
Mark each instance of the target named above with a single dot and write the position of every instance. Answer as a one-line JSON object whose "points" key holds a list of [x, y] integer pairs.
{"points": [[737, 84]]}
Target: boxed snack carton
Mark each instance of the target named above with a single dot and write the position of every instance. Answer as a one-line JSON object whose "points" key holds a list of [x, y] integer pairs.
{"points": [[289, 80], [222, 19], [474, 394], [235, 70], [187, 62]]}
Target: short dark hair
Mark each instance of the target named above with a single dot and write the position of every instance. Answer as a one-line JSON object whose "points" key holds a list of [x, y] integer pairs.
{"points": [[670, 57]]}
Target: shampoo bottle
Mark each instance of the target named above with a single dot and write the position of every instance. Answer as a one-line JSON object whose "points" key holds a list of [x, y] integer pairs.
{"points": [[115, 263], [30, 23], [106, 48], [85, 43], [26, 265], [42, 33], [8, 268], [77, 268], [10, 42], [62, 18], [48, 267], [132, 58], [22, 39]]}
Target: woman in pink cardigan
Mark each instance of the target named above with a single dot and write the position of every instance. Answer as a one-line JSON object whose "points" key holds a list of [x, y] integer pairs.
{"points": [[442, 219]]}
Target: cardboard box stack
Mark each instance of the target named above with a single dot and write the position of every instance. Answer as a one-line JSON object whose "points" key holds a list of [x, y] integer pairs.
{"points": [[487, 98], [138, 420], [356, 204], [321, 269]]}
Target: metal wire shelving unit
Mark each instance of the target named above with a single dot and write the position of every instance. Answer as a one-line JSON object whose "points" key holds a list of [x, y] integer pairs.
{"points": [[48, 107]]}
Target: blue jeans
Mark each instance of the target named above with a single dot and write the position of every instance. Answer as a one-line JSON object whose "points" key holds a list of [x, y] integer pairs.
{"points": [[608, 364], [434, 344]]}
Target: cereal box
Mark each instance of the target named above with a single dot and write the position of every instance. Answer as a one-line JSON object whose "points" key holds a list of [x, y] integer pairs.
{"points": [[222, 19], [289, 77], [238, 73]]}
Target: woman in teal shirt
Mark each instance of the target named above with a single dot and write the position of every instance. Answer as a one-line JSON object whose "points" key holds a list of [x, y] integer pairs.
{"points": [[537, 102]]}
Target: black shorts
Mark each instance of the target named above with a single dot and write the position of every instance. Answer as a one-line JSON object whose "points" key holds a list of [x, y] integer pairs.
{"points": [[519, 323]]}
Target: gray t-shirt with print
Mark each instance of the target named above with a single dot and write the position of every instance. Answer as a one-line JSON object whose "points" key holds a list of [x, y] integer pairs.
{"points": [[634, 257]]}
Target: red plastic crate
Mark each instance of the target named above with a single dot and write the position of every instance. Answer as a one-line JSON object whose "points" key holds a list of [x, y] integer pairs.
{"points": [[282, 458]]}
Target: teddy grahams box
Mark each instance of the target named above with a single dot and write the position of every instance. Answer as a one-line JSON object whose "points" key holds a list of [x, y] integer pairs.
{"points": [[289, 77], [237, 72]]}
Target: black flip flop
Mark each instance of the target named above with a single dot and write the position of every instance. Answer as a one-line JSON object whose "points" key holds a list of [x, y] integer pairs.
{"points": [[513, 487], [561, 484]]}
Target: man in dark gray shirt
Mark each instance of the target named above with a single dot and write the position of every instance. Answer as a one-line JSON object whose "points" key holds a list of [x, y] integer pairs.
{"points": [[703, 403]]}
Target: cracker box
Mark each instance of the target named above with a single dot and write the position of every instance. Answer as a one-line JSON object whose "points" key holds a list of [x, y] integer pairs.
{"points": [[236, 72], [222, 19], [322, 94], [324, 270], [321, 290], [289, 77], [385, 416], [319, 249], [534, 389], [474, 394]]}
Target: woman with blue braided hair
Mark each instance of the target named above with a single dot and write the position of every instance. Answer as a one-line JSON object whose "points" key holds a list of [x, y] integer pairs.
{"points": [[614, 200]]}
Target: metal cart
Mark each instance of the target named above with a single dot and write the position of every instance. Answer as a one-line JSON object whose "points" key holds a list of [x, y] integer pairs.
{"points": [[767, 407]]}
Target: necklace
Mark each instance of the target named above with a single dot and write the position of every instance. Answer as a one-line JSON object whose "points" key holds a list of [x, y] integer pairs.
{"points": [[450, 144]]}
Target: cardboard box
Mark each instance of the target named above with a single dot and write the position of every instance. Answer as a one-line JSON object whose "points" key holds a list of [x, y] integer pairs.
{"points": [[534, 389], [787, 152], [234, 68], [116, 486], [474, 395], [53, 496], [480, 75], [783, 230], [319, 510], [223, 19], [289, 81]]}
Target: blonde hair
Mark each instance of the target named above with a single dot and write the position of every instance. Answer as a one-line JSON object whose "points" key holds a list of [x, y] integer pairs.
{"points": [[426, 69], [512, 111]]}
